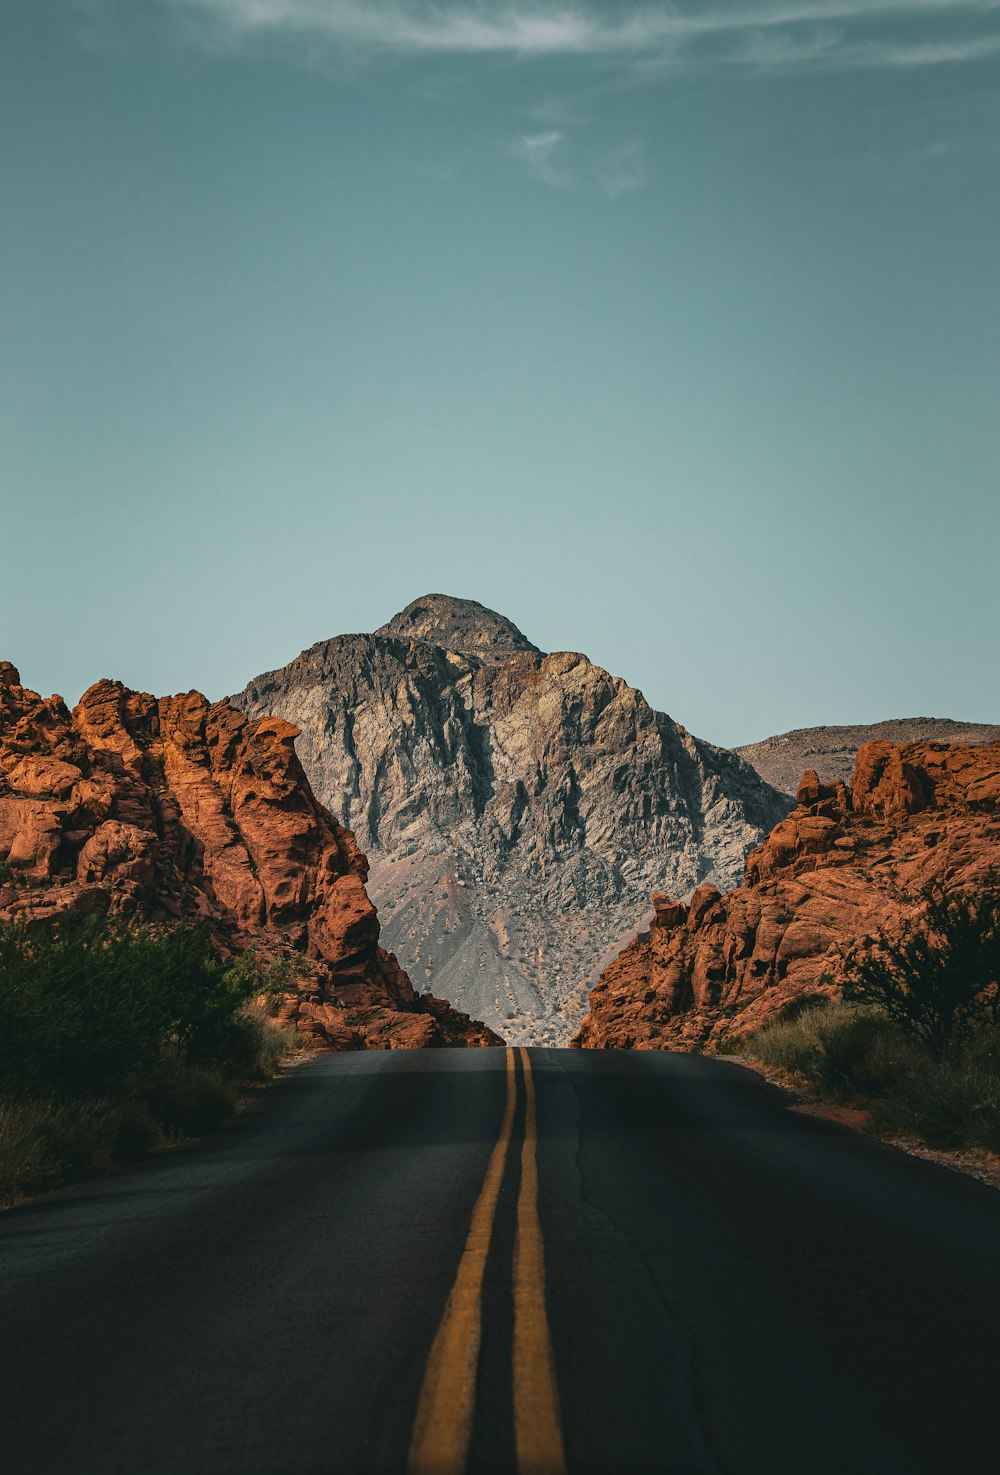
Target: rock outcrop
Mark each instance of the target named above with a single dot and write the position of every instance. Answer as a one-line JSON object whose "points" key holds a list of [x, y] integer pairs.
{"points": [[831, 751], [845, 863], [517, 807], [175, 810]]}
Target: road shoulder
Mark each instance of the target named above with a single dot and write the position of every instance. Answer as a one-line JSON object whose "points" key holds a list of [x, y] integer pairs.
{"points": [[974, 1162]]}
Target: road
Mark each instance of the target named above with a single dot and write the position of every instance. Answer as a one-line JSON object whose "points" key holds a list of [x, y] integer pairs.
{"points": [[508, 1261]]}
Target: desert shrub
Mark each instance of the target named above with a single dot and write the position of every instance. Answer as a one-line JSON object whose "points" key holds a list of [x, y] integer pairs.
{"points": [[861, 1053], [791, 1043], [845, 1051], [778, 1037], [955, 1101], [852, 1054], [186, 1099], [46, 1143], [114, 1040], [84, 1008], [802, 1004], [25, 1148], [939, 980], [275, 980], [267, 1043]]}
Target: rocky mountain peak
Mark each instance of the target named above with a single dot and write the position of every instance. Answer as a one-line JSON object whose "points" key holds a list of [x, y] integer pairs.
{"points": [[460, 625], [517, 807]]}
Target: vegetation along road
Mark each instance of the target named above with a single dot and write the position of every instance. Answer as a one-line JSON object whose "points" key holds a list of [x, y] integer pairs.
{"points": [[494, 1260]]}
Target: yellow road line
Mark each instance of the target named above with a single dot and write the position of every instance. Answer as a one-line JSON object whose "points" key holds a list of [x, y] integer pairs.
{"points": [[443, 1424], [537, 1428]]}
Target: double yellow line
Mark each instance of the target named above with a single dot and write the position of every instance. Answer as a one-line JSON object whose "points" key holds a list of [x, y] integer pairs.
{"points": [[443, 1426]]}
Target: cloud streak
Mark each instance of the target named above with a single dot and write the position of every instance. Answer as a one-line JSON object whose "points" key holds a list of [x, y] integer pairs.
{"points": [[779, 35], [622, 170], [550, 158], [542, 156]]}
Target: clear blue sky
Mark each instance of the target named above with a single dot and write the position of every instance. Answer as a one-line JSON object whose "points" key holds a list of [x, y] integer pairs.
{"points": [[671, 332]]}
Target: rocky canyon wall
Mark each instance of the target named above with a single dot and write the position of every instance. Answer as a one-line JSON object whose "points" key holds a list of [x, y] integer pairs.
{"points": [[175, 809]]}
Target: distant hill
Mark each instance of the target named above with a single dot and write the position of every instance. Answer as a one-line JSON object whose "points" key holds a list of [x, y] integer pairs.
{"points": [[831, 751]]}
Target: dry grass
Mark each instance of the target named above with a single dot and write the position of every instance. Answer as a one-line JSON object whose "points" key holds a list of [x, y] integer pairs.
{"points": [[856, 1056]]}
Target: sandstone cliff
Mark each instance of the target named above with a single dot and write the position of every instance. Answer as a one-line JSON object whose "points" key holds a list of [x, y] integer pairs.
{"points": [[175, 809], [517, 807], [831, 752], [846, 862]]}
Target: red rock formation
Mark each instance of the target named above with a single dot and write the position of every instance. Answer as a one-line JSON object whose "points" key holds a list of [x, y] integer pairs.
{"points": [[845, 863], [175, 809]]}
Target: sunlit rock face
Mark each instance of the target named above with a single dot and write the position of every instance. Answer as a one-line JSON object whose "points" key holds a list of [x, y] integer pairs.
{"points": [[177, 809], [517, 807], [848, 861]]}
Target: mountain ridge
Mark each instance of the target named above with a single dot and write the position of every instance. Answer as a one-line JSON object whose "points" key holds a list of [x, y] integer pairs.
{"points": [[831, 751]]}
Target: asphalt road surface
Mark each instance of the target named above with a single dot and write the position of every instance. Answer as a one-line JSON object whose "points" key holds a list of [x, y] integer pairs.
{"points": [[508, 1261]]}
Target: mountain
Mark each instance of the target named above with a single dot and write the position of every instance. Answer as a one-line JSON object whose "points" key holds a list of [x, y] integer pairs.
{"points": [[846, 862], [831, 751], [517, 807], [175, 809]]}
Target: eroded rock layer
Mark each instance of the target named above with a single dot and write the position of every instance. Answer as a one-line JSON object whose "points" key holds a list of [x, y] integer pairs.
{"points": [[848, 861], [176, 809], [518, 807]]}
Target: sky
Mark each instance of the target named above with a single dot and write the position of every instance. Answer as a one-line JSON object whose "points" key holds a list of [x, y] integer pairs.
{"points": [[670, 331]]}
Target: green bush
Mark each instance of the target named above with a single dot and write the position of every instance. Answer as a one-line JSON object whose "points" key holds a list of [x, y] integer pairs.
{"points": [[114, 1040], [84, 1008], [941, 978], [917, 1039], [955, 1102], [186, 1099]]}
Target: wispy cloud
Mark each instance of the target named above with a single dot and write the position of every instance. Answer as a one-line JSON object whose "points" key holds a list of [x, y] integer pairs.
{"points": [[930, 53], [622, 170], [543, 156], [782, 34], [555, 158]]}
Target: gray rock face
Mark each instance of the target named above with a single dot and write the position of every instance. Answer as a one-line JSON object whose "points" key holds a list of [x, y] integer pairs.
{"points": [[460, 625], [517, 808]]}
